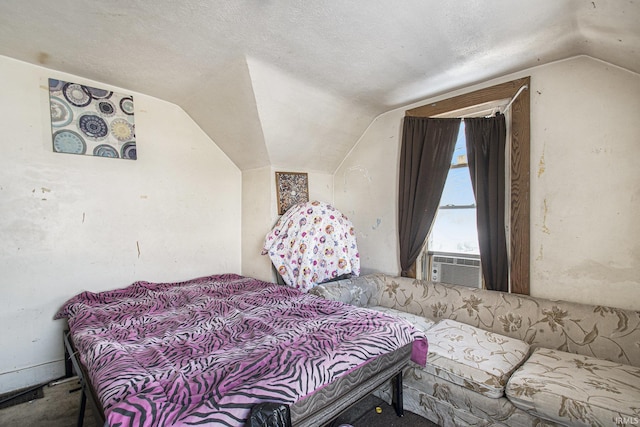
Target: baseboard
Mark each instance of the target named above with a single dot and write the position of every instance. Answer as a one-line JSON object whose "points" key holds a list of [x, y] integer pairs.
{"points": [[31, 376], [21, 396]]}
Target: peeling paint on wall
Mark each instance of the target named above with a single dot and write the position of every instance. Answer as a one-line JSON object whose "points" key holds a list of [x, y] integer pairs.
{"points": [[541, 163], [608, 273], [43, 190], [364, 172], [545, 229]]}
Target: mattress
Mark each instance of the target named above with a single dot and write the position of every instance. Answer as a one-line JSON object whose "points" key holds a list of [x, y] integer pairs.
{"points": [[206, 350]]}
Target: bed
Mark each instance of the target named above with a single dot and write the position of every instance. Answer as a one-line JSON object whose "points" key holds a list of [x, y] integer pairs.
{"points": [[207, 350]]}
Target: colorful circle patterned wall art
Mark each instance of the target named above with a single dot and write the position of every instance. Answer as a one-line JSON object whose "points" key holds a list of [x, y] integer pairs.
{"points": [[105, 150], [99, 93], [61, 113], [106, 108], [126, 104], [122, 130], [128, 151], [91, 121], [68, 141], [78, 95], [93, 126]]}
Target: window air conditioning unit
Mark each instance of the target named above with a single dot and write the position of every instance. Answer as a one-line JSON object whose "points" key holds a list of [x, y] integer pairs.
{"points": [[456, 270]]}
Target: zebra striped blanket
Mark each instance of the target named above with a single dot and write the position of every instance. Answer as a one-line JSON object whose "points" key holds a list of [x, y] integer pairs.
{"points": [[206, 350]]}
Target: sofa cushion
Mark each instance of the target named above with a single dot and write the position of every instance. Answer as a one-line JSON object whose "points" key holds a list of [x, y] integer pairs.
{"points": [[577, 390], [433, 394], [420, 323], [473, 358]]}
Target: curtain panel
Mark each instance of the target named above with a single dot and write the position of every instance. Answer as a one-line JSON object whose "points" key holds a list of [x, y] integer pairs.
{"points": [[425, 158], [486, 139]]}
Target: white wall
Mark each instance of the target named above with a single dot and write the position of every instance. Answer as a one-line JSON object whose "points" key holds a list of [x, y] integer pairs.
{"points": [[258, 216], [366, 190], [70, 223], [585, 183]]}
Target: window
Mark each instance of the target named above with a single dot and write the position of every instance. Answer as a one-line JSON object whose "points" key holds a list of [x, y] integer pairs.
{"points": [[454, 230], [519, 167]]}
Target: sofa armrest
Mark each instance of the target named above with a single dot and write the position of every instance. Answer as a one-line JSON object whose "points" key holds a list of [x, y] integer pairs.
{"points": [[356, 291]]}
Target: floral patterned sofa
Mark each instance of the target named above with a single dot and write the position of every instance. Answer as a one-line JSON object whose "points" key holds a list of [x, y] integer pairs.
{"points": [[498, 359]]}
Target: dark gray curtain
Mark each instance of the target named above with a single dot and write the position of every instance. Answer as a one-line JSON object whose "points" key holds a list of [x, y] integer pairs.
{"points": [[425, 158], [486, 139]]}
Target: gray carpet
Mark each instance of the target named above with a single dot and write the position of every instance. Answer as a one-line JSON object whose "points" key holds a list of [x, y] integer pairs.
{"points": [[364, 414]]}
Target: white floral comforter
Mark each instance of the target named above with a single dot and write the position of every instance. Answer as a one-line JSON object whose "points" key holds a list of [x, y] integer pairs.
{"points": [[311, 243]]}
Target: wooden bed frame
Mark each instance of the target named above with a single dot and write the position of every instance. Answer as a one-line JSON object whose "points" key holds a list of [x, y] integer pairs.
{"points": [[333, 399]]}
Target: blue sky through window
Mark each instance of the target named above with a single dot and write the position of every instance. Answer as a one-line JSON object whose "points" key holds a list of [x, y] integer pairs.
{"points": [[454, 229]]}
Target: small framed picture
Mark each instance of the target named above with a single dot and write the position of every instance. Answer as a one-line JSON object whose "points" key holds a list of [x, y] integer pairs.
{"points": [[292, 188]]}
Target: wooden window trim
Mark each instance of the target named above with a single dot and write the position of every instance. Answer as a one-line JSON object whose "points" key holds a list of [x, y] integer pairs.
{"points": [[520, 165]]}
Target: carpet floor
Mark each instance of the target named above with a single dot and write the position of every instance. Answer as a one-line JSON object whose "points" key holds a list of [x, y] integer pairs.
{"points": [[364, 414]]}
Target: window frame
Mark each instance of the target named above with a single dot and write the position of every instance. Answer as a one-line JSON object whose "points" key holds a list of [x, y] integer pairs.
{"points": [[519, 227]]}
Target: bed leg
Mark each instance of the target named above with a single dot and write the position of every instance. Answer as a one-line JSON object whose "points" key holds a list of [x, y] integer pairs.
{"points": [[68, 365], [397, 398], [83, 405]]}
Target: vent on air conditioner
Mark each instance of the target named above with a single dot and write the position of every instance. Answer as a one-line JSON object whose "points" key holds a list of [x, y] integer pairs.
{"points": [[456, 270], [458, 261]]}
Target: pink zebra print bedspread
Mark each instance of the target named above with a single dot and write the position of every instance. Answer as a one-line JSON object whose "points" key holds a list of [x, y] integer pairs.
{"points": [[206, 350]]}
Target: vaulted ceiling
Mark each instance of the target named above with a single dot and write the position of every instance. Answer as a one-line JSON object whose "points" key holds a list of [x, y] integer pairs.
{"points": [[294, 84]]}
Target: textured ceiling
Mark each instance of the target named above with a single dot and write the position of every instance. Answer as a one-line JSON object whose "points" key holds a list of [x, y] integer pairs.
{"points": [[294, 84]]}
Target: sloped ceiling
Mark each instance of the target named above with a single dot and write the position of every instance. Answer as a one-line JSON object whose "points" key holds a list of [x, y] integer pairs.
{"points": [[293, 84]]}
